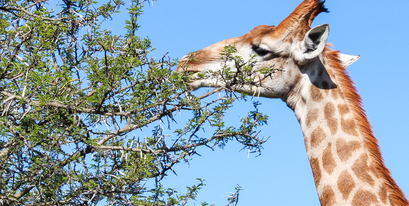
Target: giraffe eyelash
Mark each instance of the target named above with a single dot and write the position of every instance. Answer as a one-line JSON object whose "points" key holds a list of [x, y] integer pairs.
{"points": [[266, 54]]}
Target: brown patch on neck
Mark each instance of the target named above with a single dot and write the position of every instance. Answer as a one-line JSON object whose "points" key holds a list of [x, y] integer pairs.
{"points": [[383, 195], [328, 196], [312, 116], [361, 170], [329, 113], [349, 126], [343, 109], [316, 171], [316, 93], [328, 161], [345, 184], [349, 92], [317, 136], [345, 149], [363, 197]]}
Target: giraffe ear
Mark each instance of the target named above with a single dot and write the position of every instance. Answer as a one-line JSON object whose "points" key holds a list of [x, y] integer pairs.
{"points": [[313, 44], [347, 60]]}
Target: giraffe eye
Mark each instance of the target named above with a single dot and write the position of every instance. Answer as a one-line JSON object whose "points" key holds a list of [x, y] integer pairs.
{"points": [[260, 51], [266, 54]]}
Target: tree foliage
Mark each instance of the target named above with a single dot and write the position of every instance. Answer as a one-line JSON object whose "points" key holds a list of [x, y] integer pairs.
{"points": [[84, 111]]}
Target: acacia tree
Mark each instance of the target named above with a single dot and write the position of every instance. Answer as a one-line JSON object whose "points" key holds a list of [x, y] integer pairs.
{"points": [[83, 110]]}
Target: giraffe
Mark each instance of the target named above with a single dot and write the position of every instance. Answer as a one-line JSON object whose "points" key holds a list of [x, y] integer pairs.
{"points": [[311, 78]]}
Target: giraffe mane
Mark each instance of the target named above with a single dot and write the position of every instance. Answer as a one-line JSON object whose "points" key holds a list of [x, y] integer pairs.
{"points": [[347, 87]]}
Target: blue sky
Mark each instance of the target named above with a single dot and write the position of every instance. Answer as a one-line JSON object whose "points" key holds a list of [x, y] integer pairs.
{"points": [[376, 30]]}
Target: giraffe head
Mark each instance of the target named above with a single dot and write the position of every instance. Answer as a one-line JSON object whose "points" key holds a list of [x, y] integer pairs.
{"points": [[284, 49]]}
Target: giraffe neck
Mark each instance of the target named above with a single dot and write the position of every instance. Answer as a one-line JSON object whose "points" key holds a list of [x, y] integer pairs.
{"points": [[344, 156]]}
